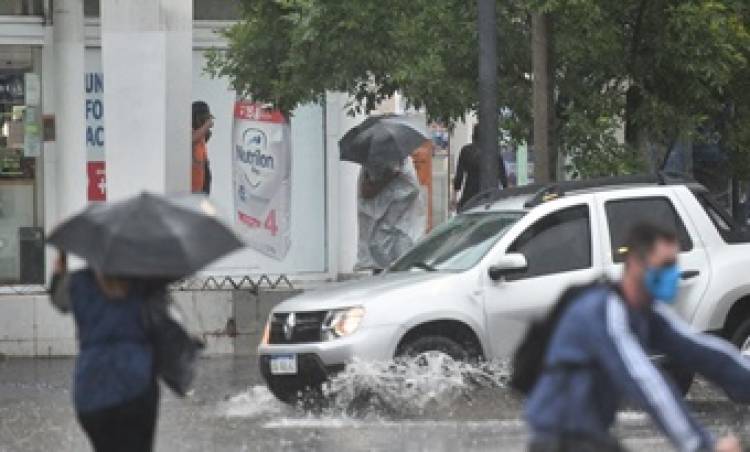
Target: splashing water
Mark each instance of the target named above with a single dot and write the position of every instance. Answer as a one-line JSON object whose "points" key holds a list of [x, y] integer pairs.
{"points": [[422, 386], [418, 386], [255, 402]]}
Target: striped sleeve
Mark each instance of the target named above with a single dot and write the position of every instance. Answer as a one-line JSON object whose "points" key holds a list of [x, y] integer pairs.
{"points": [[644, 380], [711, 356]]}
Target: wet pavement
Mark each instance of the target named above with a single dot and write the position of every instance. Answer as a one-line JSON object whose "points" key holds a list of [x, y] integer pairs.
{"points": [[232, 411]]}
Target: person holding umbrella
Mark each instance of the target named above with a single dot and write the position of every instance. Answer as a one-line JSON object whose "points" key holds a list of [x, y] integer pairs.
{"points": [[391, 206], [133, 249]]}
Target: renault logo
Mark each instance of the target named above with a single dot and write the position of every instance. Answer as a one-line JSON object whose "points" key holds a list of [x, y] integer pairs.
{"points": [[291, 321]]}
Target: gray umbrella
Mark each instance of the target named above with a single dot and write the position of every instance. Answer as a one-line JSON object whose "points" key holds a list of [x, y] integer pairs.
{"points": [[145, 236], [381, 139]]}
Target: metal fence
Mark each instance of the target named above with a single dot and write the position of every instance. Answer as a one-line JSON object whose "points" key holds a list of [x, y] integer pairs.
{"points": [[251, 283], [254, 284]]}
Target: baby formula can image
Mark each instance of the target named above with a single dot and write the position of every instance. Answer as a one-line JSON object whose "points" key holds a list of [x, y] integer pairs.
{"points": [[261, 158]]}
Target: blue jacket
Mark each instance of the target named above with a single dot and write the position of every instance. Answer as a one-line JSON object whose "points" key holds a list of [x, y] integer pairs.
{"points": [[597, 357], [115, 362]]}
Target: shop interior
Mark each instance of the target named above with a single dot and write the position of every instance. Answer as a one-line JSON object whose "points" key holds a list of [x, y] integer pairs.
{"points": [[21, 235]]}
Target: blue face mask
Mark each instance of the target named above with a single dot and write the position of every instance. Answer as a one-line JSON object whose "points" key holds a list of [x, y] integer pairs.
{"points": [[662, 283]]}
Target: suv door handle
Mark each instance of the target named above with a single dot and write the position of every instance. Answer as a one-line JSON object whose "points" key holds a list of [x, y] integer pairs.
{"points": [[689, 274]]}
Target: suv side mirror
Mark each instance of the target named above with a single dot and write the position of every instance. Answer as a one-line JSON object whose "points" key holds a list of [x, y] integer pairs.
{"points": [[509, 264]]}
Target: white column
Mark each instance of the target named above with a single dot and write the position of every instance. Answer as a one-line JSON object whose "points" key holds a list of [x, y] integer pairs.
{"points": [[343, 186], [147, 66], [70, 127]]}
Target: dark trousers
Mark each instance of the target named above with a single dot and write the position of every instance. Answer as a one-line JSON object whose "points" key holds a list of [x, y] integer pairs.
{"points": [[128, 427], [575, 443]]}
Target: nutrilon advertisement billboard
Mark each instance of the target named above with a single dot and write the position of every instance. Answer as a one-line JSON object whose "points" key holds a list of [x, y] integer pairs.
{"points": [[261, 162]]}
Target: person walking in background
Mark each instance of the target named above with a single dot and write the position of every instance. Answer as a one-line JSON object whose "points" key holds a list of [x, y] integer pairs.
{"points": [[203, 122], [116, 394], [587, 372], [469, 170]]}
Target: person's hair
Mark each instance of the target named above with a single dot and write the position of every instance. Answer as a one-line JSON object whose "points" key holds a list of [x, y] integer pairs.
{"points": [[643, 237], [200, 109]]}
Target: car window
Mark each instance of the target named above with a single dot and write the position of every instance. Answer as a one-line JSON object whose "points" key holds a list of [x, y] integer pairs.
{"points": [[729, 230], [458, 244], [557, 243], [623, 214]]}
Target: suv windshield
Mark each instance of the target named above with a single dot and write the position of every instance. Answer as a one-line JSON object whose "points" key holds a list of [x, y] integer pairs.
{"points": [[458, 244]]}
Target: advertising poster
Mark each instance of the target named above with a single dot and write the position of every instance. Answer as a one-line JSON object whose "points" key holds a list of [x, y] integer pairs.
{"points": [[261, 164], [95, 168]]}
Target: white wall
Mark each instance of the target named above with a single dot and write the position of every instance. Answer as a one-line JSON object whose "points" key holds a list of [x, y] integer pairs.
{"points": [[345, 200], [146, 55], [30, 325]]}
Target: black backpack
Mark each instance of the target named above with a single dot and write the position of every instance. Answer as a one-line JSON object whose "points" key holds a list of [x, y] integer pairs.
{"points": [[528, 358]]}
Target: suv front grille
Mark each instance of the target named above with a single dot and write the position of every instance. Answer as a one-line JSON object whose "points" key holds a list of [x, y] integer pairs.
{"points": [[305, 328]]}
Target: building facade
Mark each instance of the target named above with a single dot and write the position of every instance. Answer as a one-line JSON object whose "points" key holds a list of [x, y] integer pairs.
{"points": [[69, 132]]}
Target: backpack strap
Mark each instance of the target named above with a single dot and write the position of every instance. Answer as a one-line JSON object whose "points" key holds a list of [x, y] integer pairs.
{"points": [[601, 283]]}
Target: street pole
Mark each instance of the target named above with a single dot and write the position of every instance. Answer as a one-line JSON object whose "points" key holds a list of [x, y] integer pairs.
{"points": [[488, 111], [545, 168]]}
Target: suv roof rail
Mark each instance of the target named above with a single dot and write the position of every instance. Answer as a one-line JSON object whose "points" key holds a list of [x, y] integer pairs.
{"points": [[546, 192], [492, 195]]}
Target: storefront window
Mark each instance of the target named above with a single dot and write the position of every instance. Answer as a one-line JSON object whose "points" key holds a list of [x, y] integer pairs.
{"points": [[91, 8], [202, 9], [21, 7], [216, 9], [21, 208]]}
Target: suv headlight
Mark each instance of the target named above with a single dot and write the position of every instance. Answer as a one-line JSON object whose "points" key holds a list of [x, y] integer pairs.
{"points": [[342, 322]]}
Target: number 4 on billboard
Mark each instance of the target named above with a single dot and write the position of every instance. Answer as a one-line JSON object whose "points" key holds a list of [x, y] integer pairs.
{"points": [[270, 223]]}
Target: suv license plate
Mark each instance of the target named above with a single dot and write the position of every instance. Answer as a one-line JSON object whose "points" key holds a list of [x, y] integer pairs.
{"points": [[284, 365]]}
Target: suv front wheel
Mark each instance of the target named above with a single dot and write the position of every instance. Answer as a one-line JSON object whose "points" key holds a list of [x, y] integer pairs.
{"points": [[741, 336], [435, 343]]}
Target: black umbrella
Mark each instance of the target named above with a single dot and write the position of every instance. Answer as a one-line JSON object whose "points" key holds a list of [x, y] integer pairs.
{"points": [[146, 236], [381, 139]]}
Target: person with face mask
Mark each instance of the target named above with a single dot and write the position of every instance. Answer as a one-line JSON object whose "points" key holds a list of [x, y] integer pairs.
{"points": [[598, 357]]}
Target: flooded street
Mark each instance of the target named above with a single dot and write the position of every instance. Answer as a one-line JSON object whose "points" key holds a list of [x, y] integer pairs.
{"points": [[373, 407]]}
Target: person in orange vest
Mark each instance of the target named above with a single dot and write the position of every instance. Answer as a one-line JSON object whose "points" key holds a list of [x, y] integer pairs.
{"points": [[203, 121]]}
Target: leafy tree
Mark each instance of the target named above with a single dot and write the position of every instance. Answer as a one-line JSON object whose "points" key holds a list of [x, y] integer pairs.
{"points": [[631, 76], [656, 66], [290, 52]]}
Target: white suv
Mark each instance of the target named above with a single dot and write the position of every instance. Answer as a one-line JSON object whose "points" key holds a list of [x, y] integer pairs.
{"points": [[469, 288]]}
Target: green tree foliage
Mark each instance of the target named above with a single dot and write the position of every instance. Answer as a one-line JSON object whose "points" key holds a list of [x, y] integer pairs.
{"points": [[289, 52], [631, 76]]}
